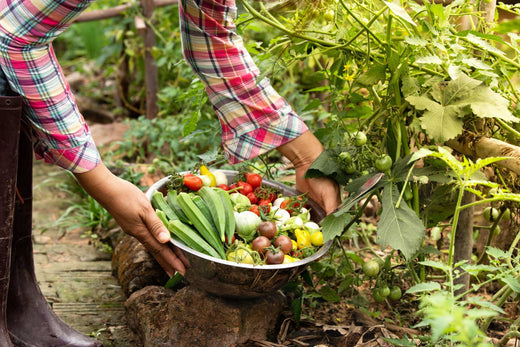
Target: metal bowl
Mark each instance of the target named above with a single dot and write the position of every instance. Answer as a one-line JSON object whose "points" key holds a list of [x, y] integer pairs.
{"points": [[233, 280]]}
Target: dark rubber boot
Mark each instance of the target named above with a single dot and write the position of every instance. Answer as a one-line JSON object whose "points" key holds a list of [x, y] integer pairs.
{"points": [[10, 113], [30, 319]]}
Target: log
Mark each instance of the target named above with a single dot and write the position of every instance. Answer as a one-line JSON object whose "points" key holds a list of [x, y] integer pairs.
{"points": [[116, 11], [476, 146]]}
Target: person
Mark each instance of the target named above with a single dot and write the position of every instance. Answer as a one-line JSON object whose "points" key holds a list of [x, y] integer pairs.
{"points": [[254, 119]]}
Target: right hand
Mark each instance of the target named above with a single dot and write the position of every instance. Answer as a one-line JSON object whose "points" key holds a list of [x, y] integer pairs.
{"points": [[135, 215]]}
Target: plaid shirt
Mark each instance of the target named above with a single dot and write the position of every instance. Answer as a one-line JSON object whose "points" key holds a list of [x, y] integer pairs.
{"points": [[253, 116]]}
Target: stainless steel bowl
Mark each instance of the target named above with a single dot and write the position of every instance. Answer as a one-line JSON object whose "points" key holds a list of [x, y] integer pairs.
{"points": [[233, 280]]}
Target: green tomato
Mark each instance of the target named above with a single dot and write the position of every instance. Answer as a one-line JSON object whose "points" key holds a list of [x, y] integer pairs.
{"points": [[384, 291], [360, 139], [395, 293], [371, 268], [376, 294], [490, 214], [383, 163], [506, 216], [345, 158], [328, 15]]}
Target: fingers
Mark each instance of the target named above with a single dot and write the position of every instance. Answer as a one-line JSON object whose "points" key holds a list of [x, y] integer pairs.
{"points": [[156, 226], [165, 256]]}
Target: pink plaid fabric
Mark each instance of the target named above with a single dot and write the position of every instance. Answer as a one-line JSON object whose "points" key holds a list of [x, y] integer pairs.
{"points": [[253, 116]]}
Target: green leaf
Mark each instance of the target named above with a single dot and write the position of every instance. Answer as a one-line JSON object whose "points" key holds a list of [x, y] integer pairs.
{"points": [[435, 265], [476, 300], [513, 283], [429, 59], [399, 228], [477, 41], [400, 12], [497, 253], [333, 226], [424, 287], [329, 294], [442, 123], [375, 74]]}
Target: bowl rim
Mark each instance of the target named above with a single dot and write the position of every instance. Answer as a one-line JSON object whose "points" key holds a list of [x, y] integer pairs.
{"points": [[318, 254]]}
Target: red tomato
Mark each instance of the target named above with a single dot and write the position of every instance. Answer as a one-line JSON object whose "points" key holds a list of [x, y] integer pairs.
{"points": [[284, 204], [223, 186], [246, 187], [255, 210], [233, 186], [254, 179], [252, 197], [265, 204], [193, 182]]}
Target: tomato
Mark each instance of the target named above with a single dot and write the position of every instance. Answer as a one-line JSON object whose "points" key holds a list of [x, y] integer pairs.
{"points": [[329, 15], [384, 291], [490, 214], [371, 268], [241, 256], [233, 186], [506, 216], [383, 163], [193, 182], [267, 229], [274, 257], [260, 244], [255, 209], [345, 158], [359, 138], [395, 293], [376, 294], [254, 179], [223, 186], [265, 204], [246, 187], [252, 197], [284, 242], [317, 238]]}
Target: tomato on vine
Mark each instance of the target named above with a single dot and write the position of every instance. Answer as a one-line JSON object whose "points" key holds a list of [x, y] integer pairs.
{"points": [[254, 179], [371, 268], [490, 214], [360, 139], [395, 293], [383, 163]]}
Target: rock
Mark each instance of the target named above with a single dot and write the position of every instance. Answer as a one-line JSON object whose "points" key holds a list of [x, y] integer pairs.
{"points": [[134, 267], [191, 317]]}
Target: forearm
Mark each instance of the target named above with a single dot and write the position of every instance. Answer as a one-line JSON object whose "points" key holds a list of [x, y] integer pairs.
{"points": [[61, 135], [254, 117]]}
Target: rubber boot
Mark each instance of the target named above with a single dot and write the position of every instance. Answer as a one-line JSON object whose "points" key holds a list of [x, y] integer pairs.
{"points": [[30, 319], [10, 113]]}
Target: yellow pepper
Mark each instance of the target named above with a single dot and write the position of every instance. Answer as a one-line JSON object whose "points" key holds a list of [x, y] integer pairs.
{"points": [[288, 259], [294, 245], [303, 238], [317, 238], [205, 171]]}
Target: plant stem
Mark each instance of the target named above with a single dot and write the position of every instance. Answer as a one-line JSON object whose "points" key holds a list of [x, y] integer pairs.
{"points": [[451, 252]]}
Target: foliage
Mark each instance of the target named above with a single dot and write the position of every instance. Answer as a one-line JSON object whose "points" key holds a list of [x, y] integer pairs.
{"points": [[406, 75]]}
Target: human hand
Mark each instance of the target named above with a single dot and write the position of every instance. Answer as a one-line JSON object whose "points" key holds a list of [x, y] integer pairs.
{"points": [[302, 152], [135, 215]]}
